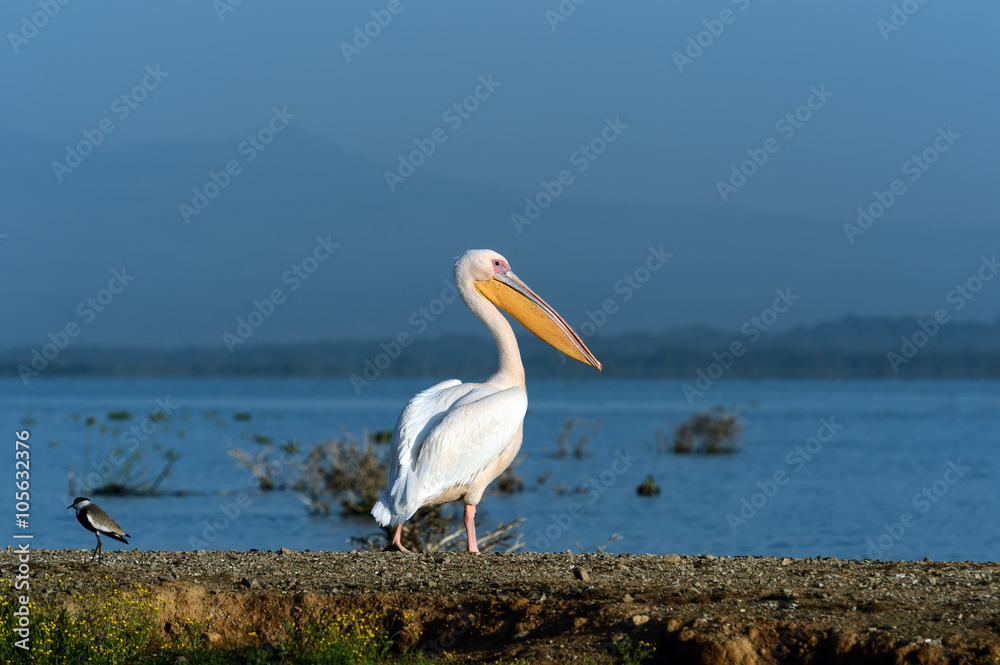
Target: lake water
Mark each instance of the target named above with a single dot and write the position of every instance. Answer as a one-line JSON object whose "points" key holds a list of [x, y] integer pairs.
{"points": [[900, 470]]}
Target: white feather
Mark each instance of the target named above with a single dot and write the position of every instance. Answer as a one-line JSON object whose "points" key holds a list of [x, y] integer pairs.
{"points": [[446, 437]]}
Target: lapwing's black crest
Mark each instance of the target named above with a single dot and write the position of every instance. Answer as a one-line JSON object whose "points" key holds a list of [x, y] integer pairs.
{"points": [[97, 521]]}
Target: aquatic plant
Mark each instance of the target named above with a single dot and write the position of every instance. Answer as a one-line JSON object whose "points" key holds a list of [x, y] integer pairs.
{"points": [[353, 472], [708, 433], [579, 448], [116, 470], [648, 487]]}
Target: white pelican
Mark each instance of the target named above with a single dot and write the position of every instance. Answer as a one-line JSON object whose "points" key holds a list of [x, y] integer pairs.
{"points": [[454, 439]]}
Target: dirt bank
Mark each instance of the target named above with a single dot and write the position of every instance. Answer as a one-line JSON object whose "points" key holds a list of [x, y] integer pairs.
{"points": [[561, 607]]}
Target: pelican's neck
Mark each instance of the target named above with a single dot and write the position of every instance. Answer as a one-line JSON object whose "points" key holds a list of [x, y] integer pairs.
{"points": [[511, 371]]}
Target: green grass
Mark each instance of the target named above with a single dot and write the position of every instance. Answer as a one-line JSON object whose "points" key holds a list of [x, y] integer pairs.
{"points": [[115, 626], [109, 627]]}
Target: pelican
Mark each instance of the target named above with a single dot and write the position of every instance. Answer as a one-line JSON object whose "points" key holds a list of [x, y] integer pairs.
{"points": [[454, 439]]}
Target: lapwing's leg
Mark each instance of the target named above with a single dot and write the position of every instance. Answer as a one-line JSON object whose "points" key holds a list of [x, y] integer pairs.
{"points": [[470, 528], [97, 550], [397, 541]]}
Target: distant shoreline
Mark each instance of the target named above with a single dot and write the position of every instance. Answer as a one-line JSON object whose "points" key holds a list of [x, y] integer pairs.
{"points": [[852, 348]]}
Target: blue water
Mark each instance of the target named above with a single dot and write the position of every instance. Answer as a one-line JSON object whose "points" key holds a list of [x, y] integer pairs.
{"points": [[890, 442]]}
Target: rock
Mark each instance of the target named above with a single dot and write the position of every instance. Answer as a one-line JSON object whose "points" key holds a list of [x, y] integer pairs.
{"points": [[785, 561], [581, 573], [284, 550], [640, 619], [671, 558], [250, 583], [215, 639], [736, 650], [627, 598], [165, 578]]}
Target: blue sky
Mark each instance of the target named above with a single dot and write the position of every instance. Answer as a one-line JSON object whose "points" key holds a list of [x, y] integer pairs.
{"points": [[889, 94]]}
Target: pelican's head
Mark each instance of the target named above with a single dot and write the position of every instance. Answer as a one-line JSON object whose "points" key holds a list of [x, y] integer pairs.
{"points": [[491, 275]]}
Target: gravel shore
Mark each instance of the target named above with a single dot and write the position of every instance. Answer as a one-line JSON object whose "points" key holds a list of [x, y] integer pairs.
{"points": [[562, 607]]}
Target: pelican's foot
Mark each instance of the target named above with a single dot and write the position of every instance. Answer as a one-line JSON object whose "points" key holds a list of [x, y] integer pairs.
{"points": [[395, 547]]}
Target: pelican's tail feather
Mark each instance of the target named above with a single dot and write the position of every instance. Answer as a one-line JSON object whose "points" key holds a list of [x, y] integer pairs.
{"points": [[381, 514], [388, 511]]}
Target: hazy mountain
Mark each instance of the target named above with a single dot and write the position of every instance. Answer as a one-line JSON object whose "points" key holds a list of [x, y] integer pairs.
{"points": [[120, 208], [852, 347]]}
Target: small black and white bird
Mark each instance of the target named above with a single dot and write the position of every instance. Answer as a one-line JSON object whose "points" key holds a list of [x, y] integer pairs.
{"points": [[94, 519]]}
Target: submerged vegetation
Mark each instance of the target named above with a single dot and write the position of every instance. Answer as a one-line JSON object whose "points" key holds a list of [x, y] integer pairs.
{"points": [[648, 487], [579, 425], [710, 433], [346, 475], [353, 472], [114, 468]]}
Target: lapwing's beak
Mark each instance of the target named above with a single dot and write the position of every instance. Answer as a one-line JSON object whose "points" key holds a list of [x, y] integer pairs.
{"points": [[513, 296]]}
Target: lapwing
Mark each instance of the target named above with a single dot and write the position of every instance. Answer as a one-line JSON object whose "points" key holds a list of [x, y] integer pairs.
{"points": [[94, 519]]}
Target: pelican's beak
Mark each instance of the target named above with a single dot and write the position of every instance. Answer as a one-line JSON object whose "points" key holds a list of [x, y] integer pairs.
{"points": [[513, 296]]}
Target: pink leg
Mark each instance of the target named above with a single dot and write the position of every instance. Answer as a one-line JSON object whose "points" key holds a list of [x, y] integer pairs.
{"points": [[397, 541], [470, 528]]}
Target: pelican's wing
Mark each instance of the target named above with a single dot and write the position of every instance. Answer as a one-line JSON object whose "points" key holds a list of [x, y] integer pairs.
{"points": [[473, 434], [445, 437], [422, 413]]}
